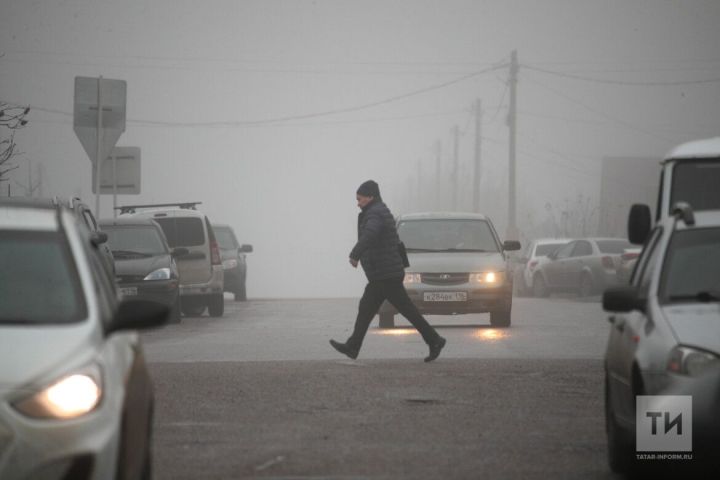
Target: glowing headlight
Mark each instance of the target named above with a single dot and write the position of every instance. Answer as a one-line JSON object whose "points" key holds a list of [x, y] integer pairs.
{"points": [[159, 274], [487, 278], [688, 361], [412, 278], [231, 263], [72, 396]]}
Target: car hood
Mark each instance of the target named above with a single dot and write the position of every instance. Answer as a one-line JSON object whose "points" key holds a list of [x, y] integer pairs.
{"points": [[141, 266], [696, 324], [31, 353], [455, 262]]}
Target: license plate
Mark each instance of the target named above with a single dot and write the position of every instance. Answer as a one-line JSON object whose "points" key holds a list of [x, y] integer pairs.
{"points": [[445, 296], [128, 291]]}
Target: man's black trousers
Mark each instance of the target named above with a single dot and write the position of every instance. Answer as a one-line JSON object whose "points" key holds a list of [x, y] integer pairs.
{"points": [[393, 291]]}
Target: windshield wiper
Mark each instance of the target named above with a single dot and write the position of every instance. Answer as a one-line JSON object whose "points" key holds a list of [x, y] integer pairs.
{"points": [[422, 250], [130, 253], [705, 296]]}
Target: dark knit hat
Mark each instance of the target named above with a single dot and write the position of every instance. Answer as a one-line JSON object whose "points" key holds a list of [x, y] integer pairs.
{"points": [[369, 189]]}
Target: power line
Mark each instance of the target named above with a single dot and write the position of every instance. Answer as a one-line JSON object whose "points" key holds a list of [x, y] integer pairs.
{"points": [[622, 82], [288, 118]]}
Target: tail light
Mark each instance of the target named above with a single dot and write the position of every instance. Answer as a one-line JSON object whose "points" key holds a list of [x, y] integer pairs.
{"points": [[215, 253], [533, 264], [607, 262], [629, 256]]}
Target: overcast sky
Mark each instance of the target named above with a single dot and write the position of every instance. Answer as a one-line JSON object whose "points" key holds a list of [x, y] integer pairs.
{"points": [[200, 73]]}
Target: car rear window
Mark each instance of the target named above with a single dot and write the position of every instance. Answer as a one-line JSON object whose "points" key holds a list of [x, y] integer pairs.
{"points": [[39, 283], [182, 232], [225, 238], [547, 248], [613, 246], [447, 235]]}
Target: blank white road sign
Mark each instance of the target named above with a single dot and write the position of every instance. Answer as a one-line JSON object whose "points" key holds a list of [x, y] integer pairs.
{"points": [[125, 162], [113, 95]]}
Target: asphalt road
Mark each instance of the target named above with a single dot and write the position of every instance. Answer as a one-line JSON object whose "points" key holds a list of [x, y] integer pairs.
{"points": [[261, 394]]}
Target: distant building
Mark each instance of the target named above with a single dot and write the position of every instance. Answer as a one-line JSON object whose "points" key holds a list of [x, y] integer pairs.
{"points": [[624, 181]]}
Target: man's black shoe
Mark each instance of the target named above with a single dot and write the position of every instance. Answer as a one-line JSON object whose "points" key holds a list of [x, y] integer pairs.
{"points": [[435, 349], [345, 349]]}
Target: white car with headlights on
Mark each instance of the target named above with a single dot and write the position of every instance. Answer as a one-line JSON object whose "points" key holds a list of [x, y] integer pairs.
{"points": [[76, 400], [665, 332], [457, 265]]}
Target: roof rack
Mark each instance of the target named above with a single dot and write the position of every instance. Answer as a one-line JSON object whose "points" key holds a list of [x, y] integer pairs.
{"points": [[182, 205], [684, 212]]}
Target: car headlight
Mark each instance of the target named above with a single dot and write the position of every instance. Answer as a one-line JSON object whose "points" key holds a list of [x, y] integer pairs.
{"points": [[159, 274], [412, 278], [72, 396], [692, 362], [488, 278], [229, 264]]}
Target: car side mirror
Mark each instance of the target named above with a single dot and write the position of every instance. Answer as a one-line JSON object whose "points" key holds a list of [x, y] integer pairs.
{"points": [[179, 252], [511, 245], [639, 223], [98, 238], [622, 300], [246, 249], [138, 315]]}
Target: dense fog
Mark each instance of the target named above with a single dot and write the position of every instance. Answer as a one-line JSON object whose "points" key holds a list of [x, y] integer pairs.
{"points": [[271, 113]]}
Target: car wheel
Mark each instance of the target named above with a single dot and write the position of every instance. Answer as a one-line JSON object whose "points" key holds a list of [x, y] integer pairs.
{"points": [[241, 293], [191, 307], [387, 320], [501, 318], [175, 316], [619, 445], [586, 286], [216, 306], [540, 289]]}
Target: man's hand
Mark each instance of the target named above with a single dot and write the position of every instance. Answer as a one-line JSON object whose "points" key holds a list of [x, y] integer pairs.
{"points": [[353, 262]]}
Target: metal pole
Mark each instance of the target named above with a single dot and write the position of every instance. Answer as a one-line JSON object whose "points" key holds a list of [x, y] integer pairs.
{"points": [[512, 232], [476, 172], [114, 159], [98, 150], [456, 160], [438, 173]]}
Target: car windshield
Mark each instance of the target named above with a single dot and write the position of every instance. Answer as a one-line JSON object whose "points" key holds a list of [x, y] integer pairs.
{"points": [[697, 183], [38, 280], [134, 240], [692, 266], [447, 235], [615, 247], [225, 238], [547, 248], [182, 232]]}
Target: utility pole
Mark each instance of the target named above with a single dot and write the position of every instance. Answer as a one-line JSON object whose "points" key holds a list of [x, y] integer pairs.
{"points": [[456, 160], [512, 231], [476, 170], [438, 173], [419, 198]]}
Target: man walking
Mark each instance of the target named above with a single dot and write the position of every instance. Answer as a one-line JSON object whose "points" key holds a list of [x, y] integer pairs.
{"points": [[377, 250]]}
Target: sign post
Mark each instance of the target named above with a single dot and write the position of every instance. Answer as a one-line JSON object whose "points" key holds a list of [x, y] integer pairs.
{"points": [[99, 120]]}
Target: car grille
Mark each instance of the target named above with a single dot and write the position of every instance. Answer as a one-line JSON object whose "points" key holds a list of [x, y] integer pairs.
{"points": [[445, 278], [129, 278]]}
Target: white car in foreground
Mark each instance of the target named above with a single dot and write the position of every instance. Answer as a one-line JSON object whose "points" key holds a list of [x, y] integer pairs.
{"points": [[76, 400]]}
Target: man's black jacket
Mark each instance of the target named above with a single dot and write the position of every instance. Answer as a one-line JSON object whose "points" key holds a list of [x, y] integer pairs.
{"points": [[377, 246]]}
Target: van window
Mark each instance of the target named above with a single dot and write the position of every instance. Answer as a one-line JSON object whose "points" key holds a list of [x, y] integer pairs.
{"points": [[182, 232], [697, 184]]}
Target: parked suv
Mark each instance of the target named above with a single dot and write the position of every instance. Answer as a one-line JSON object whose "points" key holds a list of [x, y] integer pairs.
{"points": [[76, 398], [233, 259], [457, 265], [200, 268]]}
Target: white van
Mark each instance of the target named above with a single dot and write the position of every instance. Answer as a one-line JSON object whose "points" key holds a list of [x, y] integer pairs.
{"points": [[690, 173], [197, 253]]}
